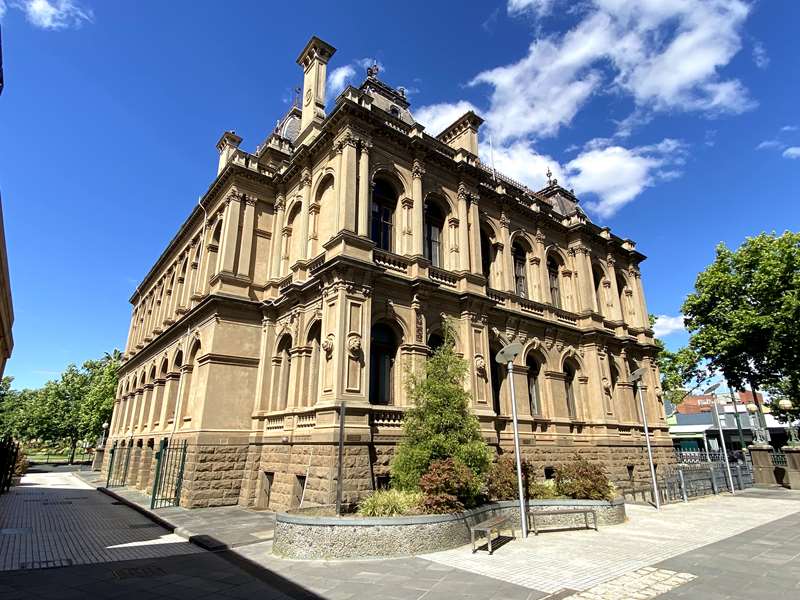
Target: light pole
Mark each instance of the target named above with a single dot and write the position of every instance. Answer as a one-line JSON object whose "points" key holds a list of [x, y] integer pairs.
{"points": [[636, 376], [506, 357], [738, 420], [791, 430], [755, 424], [103, 438], [712, 390]]}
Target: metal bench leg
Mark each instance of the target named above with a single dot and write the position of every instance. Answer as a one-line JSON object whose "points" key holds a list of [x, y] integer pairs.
{"points": [[489, 540], [594, 517], [533, 520], [472, 538], [586, 520]]}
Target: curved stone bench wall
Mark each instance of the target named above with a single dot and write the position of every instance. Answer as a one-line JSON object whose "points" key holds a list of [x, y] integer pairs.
{"points": [[308, 537]]}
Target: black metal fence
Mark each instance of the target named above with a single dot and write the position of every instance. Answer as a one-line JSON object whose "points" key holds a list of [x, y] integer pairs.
{"points": [[118, 465], [695, 474], [168, 476], [9, 452]]}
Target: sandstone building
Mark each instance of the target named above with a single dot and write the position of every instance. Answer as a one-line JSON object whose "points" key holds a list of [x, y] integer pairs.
{"points": [[319, 268]]}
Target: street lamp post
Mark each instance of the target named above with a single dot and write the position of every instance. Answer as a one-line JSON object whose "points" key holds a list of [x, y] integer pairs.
{"points": [[636, 376], [712, 390], [103, 438], [791, 430], [755, 424], [506, 357]]}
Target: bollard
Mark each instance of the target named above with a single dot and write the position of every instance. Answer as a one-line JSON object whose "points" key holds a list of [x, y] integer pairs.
{"points": [[739, 476], [683, 485], [713, 479]]}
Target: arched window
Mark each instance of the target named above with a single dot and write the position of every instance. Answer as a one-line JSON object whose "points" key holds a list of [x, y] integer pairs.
{"points": [[533, 385], [189, 391], [434, 225], [498, 375], [213, 249], [435, 341], [487, 256], [383, 352], [569, 388], [384, 201], [291, 239], [625, 305], [599, 277], [555, 287], [283, 372], [520, 278], [314, 340]]}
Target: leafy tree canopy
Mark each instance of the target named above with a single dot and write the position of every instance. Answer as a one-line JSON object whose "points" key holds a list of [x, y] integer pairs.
{"points": [[744, 315]]}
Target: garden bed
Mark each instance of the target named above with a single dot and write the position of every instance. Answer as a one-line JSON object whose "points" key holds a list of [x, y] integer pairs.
{"points": [[300, 535]]}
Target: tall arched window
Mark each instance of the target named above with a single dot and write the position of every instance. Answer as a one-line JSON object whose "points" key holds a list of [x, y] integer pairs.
{"points": [[384, 202], [625, 304], [189, 393], [487, 256], [599, 277], [498, 374], [383, 352], [533, 385], [520, 277], [435, 341], [172, 399], [434, 225], [314, 340], [213, 249], [569, 388], [552, 276], [283, 372], [291, 239]]}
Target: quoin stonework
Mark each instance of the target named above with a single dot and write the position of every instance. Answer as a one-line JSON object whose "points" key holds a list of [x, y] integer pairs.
{"points": [[320, 268]]}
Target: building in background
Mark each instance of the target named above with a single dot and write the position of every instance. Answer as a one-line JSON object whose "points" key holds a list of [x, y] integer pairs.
{"points": [[693, 427], [6, 306], [319, 268]]}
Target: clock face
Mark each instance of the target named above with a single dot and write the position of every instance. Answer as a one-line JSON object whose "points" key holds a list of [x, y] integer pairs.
{"points": [[308, 95]]}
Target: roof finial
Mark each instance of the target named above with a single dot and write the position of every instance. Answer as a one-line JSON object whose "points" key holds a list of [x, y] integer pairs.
{"points": [[549, 175], [373, 70], [298, 92]]}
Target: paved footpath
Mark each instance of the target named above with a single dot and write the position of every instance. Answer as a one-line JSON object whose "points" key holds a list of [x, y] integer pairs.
{"points": [[59, 538]]}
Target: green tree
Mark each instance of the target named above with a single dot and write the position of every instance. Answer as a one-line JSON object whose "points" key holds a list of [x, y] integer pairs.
{"points": [[98, 401], [744, 314], [440, 425], [681, 372]]}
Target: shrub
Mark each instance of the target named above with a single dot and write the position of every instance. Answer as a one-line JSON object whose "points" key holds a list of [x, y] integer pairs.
{"points": [[440, 424], [583, 480], [543, 490], [501, 481], [390, 503], [449, 486], [21, 465]]}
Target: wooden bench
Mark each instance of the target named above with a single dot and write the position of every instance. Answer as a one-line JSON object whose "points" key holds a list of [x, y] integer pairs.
{"points": [[486, 527], [567, 511]]}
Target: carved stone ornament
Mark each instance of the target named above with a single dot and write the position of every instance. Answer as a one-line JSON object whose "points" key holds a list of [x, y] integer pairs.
{"points": [[419, 327], [607, 386], [480, 365], [417, 170], [354, 347], [327, 345]]}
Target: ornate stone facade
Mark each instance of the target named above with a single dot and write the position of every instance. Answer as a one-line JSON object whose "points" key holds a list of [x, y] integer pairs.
{"points": [[320, 268]]}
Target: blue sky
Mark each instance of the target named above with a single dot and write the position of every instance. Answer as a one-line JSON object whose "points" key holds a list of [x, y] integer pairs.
{"points": [[675, 121]]}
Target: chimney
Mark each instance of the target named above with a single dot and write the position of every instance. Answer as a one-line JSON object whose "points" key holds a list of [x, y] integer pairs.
{"points": [[227, 146], [314, 60]]}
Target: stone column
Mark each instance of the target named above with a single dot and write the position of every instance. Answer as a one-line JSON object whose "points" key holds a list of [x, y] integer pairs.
{"points": [[305, 185], [276, 249], [541, 270], [362, 221], [475, 235], [792, 466], [417, 172], [584, 281], [463, 229], [507, 262], [644, 317], [347, 184], [763, 469], [452, 262], [230, 234], [246, 247]]}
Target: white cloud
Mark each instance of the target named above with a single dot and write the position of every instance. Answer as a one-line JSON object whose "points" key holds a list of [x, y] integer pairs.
{"points": [[2, 8], [367, 62], [55, 14], [770, 145], [666, 54], [616, 175], [789, 128], [521, 162], [338, 79], [792, 152], [760, 56], [436, 117], [666, 325]]}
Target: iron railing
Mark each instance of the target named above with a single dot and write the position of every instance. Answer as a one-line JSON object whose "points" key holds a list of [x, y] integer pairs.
{"points": [[168, 478], [118, 465]]}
